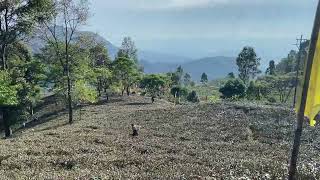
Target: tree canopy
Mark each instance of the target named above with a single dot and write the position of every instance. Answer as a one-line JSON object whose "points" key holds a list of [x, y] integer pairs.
{"points": [[17, 19], [233, 87], [204, 78], [248, 64], [153, 84]]}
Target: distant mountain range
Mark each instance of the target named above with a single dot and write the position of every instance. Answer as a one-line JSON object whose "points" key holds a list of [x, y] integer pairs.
{"points": [[153, 62], [214, 67]]}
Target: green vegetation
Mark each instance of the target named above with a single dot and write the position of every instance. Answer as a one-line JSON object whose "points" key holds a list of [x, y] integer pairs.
{"points": [[204, 78], [248, 64], [203, 141], [192, 97], [271, 70], [187, 80], [233, 88], [154, 84], [276, 86], [8, 92], [74, 72]]}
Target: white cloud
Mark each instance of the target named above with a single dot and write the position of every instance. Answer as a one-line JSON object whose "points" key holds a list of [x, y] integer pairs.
{"points": [[159, 4], [179, 4]]}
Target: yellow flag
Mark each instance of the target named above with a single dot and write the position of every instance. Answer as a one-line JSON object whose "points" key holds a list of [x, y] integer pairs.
{"points": [[313, 98]]}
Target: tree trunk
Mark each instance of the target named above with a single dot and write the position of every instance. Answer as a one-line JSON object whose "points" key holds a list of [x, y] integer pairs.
{"points": [[128, 90], [4, 45], [31, 109], [105, 89], [80, 108], [69, 99], [69, 86], [99, 92], [99, 86], [6, 123], [3, 58], [68, 73], [122, 92], [175, 98]]}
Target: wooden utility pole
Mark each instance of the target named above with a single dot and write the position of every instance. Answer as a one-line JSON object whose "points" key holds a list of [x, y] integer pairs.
{"points": [[299, 45], [300, 119]]}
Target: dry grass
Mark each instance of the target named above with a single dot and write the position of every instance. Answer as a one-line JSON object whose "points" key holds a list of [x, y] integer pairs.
{"points": [[221, 141]]}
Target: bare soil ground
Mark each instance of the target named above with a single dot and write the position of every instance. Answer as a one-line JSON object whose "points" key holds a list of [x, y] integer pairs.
{"points": [[206, 141]]}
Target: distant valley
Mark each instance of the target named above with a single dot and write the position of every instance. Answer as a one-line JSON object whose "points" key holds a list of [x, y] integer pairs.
{"points": [[214, 67], [153, 62]]}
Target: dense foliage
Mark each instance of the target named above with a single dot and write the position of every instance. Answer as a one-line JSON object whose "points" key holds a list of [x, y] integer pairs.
{"points": [[204, 78], [8, 92], [193, 97], [233, 88], [154, 84], [248, 64]]}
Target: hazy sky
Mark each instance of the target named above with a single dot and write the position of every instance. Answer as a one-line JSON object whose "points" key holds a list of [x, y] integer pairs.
{"points": [[198, 28]]}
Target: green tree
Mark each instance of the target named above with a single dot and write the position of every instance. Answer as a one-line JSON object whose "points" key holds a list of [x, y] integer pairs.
{"points": [[187, 79], [257, 90], [288, 64], [177, 76], [248, 64], [154, 84], [8, 98], [271, 70], [178, 92], [84, 93], [102, 65], [174, 78], [232, 88], [29, 93], [27, 73], [180, 72], [126, 73], [204, 78], [72, 14], [81, 71], [281, 86], [128, 50], [17, 19], [193, 97], [8, 92]]}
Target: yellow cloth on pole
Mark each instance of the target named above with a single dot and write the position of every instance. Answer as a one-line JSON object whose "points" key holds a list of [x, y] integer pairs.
{"points": [[313, 98]]}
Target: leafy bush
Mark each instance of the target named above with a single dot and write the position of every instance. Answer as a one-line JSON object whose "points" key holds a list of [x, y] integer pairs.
{"points": [[178, 91], [84, 93], [272, 100], [233, 87], [153, 84], [193, 97], [257, 90], [8, 93], [214, 99]]}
